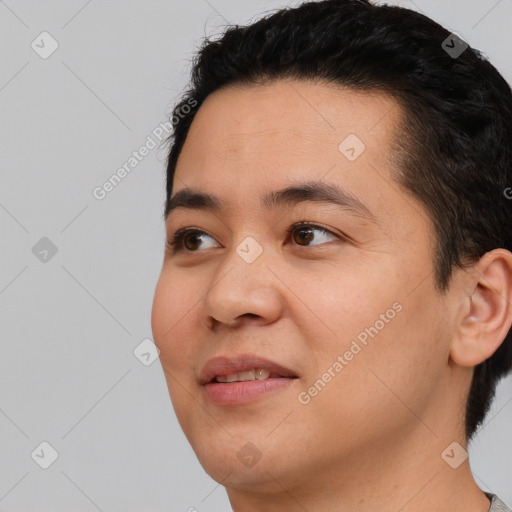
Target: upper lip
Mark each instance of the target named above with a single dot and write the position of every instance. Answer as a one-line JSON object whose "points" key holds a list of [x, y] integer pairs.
{"points": [[226, 365]]}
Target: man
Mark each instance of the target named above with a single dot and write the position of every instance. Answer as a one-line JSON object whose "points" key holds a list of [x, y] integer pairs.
{"points": [[334, 306]]}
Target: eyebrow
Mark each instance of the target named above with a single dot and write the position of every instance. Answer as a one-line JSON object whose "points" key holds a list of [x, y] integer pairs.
{"points": [[193, 199]]}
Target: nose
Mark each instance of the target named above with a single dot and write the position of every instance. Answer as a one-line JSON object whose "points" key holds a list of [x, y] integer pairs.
{"points": [[242, 293]]}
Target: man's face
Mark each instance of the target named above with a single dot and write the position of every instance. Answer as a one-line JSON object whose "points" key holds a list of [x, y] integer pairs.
{"points": [[351, 311]]}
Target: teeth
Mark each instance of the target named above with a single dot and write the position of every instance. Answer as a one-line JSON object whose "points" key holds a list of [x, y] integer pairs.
{"points": [[248, 375], [254, 374], [262, 374]]}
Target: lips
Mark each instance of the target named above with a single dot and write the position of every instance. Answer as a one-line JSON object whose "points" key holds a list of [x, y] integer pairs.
{"points": [[228, 381], [224, 366]]}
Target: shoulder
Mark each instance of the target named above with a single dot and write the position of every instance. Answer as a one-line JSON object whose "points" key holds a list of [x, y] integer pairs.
{"points": [[497, 505]]}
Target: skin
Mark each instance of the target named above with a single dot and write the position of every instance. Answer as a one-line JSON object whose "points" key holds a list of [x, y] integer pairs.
{"points": [[372, 439]]}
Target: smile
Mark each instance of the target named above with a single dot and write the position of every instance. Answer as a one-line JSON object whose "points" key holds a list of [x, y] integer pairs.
{"points": [[237, 380]]}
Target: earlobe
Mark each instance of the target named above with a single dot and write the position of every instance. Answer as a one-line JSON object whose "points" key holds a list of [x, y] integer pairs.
{"points": [[486, 314]]}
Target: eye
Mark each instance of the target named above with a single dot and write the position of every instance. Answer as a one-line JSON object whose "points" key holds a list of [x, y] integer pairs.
{"points": [[304, 233], [187, 238], [301, 232]]}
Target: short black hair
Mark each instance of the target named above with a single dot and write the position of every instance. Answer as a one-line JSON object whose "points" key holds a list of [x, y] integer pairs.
{"points": [[454, 149]]}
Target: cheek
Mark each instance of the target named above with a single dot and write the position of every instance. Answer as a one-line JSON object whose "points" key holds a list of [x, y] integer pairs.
{"points": [[345, 306], [404, 359], [396, 371], [174, 305], [379, 329]]}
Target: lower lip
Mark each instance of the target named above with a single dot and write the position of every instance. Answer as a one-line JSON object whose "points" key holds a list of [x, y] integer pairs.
{"points": [[237, 393]]}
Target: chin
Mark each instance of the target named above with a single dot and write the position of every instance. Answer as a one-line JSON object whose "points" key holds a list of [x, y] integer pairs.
{"points": [[229, 472], [238, 462]]}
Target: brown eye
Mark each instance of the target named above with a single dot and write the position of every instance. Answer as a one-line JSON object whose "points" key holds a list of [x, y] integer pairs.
{"points": [[187, 239], [191, 241], [303, 234]]}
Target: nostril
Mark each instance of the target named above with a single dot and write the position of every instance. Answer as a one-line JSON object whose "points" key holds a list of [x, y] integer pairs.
{"points": [[238, 320]]}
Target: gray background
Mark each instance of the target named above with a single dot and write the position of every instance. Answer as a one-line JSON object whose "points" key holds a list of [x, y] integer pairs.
{"points": [[70, 324]]}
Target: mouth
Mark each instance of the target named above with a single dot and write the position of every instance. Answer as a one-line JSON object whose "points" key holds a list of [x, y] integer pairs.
{"points": [[241, 379], [254, 374]]}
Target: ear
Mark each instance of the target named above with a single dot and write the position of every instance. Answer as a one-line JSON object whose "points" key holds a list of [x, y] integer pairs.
{"points": [[486, 313]]}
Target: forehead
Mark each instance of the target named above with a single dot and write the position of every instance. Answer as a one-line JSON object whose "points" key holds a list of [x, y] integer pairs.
{"points": [[247, 140], [287, 116]]}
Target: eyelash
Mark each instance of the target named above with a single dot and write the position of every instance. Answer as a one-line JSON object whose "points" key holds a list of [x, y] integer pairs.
{"points": [[175, 244]]}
